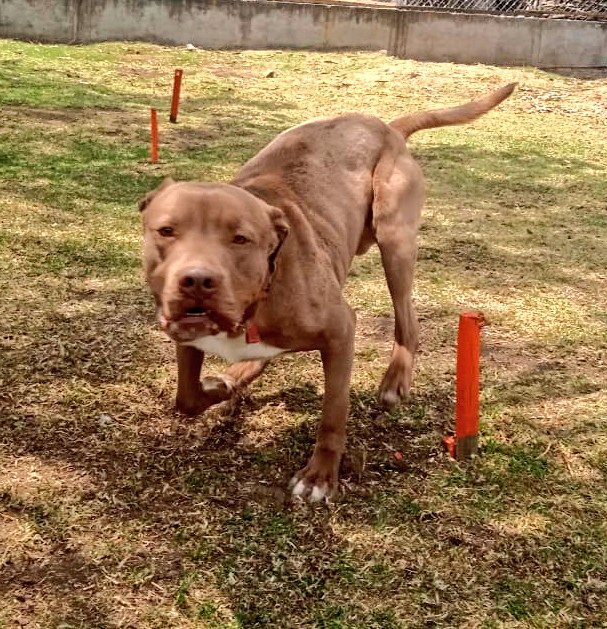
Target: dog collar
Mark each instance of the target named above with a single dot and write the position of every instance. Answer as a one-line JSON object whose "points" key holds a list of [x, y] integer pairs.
{"points": [[252, 332]]}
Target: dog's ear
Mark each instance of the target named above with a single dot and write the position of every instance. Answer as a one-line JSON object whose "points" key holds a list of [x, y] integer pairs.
{"points": [[145, 201], [281, 227], [279, 221]]}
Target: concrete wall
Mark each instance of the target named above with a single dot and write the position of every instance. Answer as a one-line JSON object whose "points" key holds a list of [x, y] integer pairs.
{"points": [[423, 35], [503, 40]]}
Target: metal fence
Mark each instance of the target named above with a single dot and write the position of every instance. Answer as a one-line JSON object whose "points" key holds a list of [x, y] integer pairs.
{"points": [[571, 9]]}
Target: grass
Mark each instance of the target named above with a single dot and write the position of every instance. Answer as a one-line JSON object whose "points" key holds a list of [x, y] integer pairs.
{"points": [[117, 512]]}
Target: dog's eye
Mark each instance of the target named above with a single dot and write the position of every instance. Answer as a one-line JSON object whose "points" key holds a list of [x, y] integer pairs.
{"points": [[239, 239], [166, 232]]}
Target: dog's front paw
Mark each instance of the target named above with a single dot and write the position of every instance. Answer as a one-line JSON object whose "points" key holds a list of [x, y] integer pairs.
{"points": [[213, 390], [319, 479], [218, 388], [192, 404]]}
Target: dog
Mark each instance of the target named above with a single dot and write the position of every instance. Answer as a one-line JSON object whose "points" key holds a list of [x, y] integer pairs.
{"points": [[253, 268]]}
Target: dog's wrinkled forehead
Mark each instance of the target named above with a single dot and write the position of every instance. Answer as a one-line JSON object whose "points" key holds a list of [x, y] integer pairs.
{"points": [[197, 205]]}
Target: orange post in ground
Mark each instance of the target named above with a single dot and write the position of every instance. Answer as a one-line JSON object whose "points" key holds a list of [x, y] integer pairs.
{"points": [[176, 93], [465, 442], [154, 135]]}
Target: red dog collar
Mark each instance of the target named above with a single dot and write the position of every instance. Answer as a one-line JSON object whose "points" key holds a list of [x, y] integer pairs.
{"points": [[252, 332]]}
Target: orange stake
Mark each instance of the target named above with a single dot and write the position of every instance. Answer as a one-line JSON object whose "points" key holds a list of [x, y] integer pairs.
{"points": [[467, 384], [154, 135], [465, 441], [176, 92]]}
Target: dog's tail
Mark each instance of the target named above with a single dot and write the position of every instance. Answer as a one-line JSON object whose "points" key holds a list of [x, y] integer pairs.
{"points": [[453, 115]]}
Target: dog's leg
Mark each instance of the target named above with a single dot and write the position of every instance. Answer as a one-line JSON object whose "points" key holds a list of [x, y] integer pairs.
{"points": [[235, 378], [190, 397], [320, 476], [194, 397], [245, 372], [398, 198]]}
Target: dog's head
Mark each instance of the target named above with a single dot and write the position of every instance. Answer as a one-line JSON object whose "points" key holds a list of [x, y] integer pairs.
{"points": [[209, 251]]}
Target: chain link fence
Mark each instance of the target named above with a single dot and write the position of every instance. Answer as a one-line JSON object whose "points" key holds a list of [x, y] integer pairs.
{"points": [[570, 9]]}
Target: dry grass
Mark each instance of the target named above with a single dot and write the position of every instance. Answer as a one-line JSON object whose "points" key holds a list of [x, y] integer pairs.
{"points": [[116, 512]]}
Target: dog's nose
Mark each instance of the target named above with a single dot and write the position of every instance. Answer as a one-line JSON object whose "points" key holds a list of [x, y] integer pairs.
{"points": [[199, 280]]}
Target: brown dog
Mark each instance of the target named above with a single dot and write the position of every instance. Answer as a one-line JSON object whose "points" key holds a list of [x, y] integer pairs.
{"points": [[253, 268]]}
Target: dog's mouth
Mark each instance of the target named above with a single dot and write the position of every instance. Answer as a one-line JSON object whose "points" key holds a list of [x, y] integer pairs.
{"points": [[193, 321], [195, 316]]}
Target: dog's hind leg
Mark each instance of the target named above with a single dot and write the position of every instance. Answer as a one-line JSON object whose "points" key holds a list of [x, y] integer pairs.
{"points": [[398, 198]]}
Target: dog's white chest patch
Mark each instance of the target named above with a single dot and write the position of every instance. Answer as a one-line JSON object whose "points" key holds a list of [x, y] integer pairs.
{"points": [[234, 349]]}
